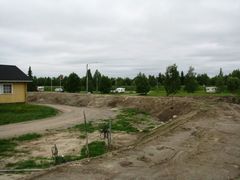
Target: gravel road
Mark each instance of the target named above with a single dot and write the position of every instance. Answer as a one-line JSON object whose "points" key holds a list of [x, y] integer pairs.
{"points": [[68, 116]]}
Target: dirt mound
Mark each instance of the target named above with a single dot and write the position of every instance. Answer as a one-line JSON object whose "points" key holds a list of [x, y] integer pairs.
{"points": [[162, 108]]}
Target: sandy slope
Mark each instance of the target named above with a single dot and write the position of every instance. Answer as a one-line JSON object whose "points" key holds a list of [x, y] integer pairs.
{"points": [[200, 145]]}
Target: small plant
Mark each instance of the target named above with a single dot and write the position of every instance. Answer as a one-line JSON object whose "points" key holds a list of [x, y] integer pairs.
{"points": [[96, 148], [82, 136]]}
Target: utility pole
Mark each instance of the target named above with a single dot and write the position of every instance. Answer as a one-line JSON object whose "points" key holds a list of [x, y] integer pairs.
{"points": [[61, 77], [97, 84], [51, 84], [87, 79]]}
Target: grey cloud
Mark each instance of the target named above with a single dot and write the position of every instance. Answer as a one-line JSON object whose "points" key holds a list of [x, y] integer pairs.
{"points": [[120, 38]]}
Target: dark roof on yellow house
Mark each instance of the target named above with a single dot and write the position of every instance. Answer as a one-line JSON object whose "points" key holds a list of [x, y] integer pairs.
{"points": [[10, 73]]}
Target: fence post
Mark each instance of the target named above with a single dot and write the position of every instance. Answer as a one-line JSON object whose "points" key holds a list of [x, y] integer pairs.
{"points": [[86, 133]]}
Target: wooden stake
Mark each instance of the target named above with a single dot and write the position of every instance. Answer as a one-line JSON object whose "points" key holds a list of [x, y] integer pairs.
{"points": [[110, 134], [86, 133]]}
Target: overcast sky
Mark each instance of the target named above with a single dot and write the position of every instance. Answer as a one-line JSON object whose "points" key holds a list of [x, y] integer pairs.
{"points": [[120, 37]]}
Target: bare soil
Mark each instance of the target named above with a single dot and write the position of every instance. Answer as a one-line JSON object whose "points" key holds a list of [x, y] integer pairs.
{"points": [[201, 143]]}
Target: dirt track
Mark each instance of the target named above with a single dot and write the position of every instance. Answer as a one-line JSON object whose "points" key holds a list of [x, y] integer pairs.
{"points": [[201, 144], [68, 116]]}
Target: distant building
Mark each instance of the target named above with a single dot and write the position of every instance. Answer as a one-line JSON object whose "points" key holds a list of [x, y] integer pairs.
{"points": [[212, 89], [13, 84]]}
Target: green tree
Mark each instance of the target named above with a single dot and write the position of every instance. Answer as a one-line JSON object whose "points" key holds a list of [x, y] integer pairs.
{"points": [[73, 83], [233, 84], [142, 84], [172, 82], [160, 79], [220, 81], [203, 79], [152, 81], [236, 73], [127, 81], [31, 86], [182, 78], [191, 84], [105, 85], [96, 80], [90, 81]]}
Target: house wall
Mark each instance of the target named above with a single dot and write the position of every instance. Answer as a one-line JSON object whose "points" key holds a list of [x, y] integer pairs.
{"points": [[19, 92]]}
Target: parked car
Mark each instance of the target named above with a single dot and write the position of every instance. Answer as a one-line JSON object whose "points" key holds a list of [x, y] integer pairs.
{"points": [[58, 90]]}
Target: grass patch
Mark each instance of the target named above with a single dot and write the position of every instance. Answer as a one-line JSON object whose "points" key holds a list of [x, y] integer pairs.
{"points": [[14, 113], [126, 120], [28, 137], [123, 125], [7, 147], [89, 126], [96, 148], [133, 112], [200, 92], [30, 164]]}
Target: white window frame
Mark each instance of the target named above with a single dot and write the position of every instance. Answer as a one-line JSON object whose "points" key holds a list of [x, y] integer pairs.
{"points": [[2, 88]]}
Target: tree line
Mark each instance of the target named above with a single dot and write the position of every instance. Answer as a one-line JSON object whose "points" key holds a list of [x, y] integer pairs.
{"points": [[172, 80]]}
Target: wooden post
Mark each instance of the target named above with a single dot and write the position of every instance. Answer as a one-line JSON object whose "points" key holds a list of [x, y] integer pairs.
{"points": [[110, 134], [86, 133]]}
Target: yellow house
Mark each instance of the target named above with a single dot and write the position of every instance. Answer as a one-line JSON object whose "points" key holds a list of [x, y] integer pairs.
{"points": [[13, 84]]}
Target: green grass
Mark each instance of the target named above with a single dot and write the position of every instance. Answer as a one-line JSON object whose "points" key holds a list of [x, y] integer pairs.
{"points": [[14, 113], [30, 164], [184, 93], [126, 120], [200, 92], [96, 148], [7, 147], [89, 127], [28, 137]]}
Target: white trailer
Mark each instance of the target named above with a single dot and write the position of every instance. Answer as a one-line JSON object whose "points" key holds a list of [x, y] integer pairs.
{"points": [[212, 89], [119, 90]]}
